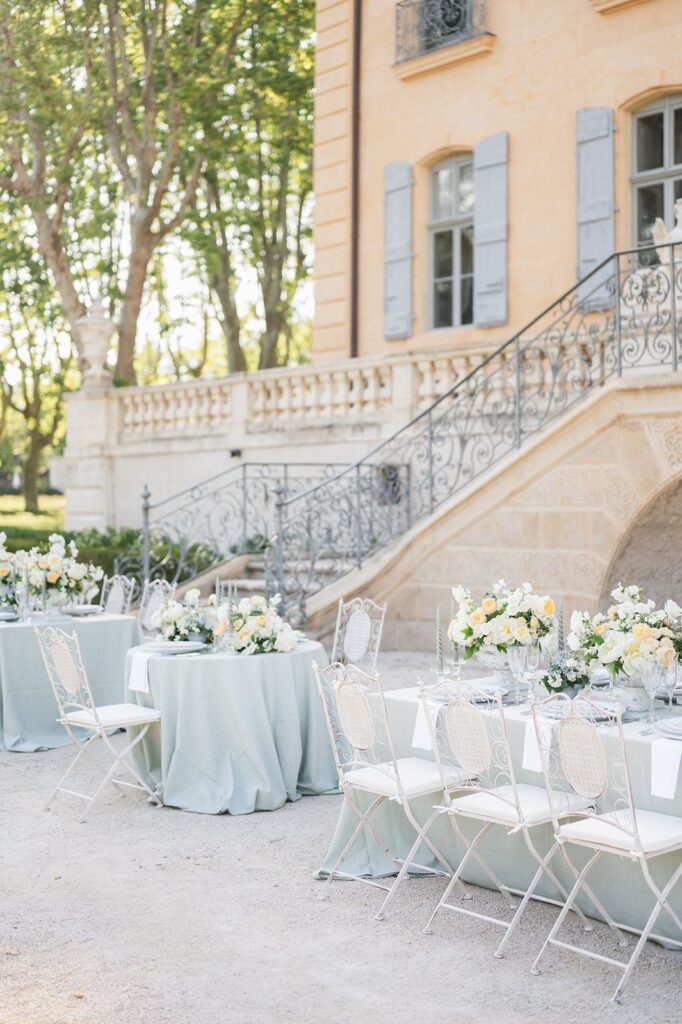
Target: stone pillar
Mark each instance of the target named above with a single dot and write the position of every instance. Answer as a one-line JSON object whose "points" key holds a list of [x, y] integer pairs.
{"points": [[90, 427]]}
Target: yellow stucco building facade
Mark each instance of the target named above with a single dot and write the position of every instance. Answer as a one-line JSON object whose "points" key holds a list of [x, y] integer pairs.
{"points": [[474, 158]]}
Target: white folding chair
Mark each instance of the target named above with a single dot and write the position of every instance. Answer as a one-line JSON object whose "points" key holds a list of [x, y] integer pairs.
{"points": [[588, 758], [117, 594], [357, 637], [154, 594], [356, 716], [469, 730], [77, 710]]}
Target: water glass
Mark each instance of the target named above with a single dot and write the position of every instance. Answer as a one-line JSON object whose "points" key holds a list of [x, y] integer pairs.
{"points": [[652, 680], [670, 680], [456, 663], [518, 660]]}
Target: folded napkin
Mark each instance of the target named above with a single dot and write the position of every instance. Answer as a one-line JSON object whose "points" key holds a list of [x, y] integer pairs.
{"points": [[665, 767], [139, 671], [421, 737]]}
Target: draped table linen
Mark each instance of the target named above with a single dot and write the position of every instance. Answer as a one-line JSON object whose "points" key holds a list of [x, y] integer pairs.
{"points": [[239, 733], [617, 882], [28, 710]]}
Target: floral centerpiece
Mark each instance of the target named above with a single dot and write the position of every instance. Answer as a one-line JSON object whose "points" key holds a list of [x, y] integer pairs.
{"points": [[255, 626], [504, 617], [567, 672], [57, 574], [8, 589], [186, 619], [632, 632]]}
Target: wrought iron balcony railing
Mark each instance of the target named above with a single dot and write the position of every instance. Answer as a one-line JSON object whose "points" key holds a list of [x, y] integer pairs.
{"points": [[426, 25]]}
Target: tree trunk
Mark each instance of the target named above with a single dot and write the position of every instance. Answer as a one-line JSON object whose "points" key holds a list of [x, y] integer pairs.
{"points": [[52, 251], [29, 478], [229, 322], [140, 255]]}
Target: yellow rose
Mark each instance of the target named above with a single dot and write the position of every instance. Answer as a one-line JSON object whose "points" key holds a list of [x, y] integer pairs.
{"points": [[489, 605], [633, 647], [601, 628], [4, 571], [238, 623], [260, 620], [52, 577], [548, 606], [478, 616], [220, 628], [641, 631], [612, 611], [42, 564], [665, 655]]}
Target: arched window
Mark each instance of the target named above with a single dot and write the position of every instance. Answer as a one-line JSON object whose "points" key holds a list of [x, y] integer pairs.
{"points": [[451, 242], [657, 166]]}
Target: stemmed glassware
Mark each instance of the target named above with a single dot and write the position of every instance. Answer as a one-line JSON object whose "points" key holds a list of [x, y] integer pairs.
{"points": [[518, 660], [670, 680], [652, 680]]}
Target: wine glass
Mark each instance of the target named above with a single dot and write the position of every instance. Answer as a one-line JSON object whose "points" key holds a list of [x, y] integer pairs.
{"points": [[456, 663], [518, 659], [670, 680], [652, 677]]}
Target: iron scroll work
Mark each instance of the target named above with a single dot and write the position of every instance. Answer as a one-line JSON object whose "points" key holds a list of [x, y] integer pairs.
{"points": [[622, 317]]}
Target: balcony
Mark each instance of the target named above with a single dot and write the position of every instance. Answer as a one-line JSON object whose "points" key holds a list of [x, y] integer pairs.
{"points": [[424, 27]]}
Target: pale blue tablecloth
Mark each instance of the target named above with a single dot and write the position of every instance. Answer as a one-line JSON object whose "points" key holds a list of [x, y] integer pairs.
{"points": [[238, 733], [28, 711], [615, 880]]}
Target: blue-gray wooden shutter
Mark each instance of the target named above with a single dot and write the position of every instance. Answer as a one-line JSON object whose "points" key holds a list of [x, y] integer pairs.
{"points": [[490, 230], [595, 203], [397, 251]]}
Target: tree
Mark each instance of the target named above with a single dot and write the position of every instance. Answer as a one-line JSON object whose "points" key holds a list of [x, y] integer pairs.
{"points": [[253, 205], [36, 355], [145, 81]]}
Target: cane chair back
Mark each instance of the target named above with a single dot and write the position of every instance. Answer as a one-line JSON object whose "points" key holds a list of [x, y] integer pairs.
{"points": [[154, 595], [357, 720], [582, 749], [65, 670], [469, 731], [117, 594], [357, 638]]}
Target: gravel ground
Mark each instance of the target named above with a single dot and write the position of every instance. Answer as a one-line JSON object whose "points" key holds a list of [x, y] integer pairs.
{"points": [[155, 916]]}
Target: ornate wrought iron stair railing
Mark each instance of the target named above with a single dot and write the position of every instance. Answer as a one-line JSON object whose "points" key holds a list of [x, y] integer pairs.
{"points": [[229, 514], [624, 316]]}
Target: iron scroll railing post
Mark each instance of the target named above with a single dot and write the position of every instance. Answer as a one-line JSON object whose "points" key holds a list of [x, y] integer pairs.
{"points": [[280, 497], [673, 309], [616, 313], [430, 450], [146, 495], [245, 510], [358, 520]]}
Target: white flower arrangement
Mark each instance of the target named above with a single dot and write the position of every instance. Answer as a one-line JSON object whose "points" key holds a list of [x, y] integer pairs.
{"points": [[632, 632], [566, 671], [8, 590], [505, 617], [185, 620], [256, 626], [58, 571]]}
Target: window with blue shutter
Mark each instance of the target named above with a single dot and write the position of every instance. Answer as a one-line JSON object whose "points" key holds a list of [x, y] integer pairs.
{"points": [[397, 251], [595, 203], [490, 230]]}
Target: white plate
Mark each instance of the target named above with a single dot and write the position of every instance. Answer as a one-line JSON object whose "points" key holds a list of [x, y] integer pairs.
{"points": [[8, 615], [175, 646], [83, 609], [670, 727]]}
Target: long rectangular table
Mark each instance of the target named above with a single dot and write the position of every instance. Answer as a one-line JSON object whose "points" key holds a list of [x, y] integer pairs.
{"points": [[616, 881], [28, 711], [238, 733]]}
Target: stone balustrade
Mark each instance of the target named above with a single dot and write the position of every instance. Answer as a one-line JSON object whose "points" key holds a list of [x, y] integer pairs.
{"points": [[357, 390]]}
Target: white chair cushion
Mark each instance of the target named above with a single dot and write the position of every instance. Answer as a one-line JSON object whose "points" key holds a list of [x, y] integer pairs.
{"points": [[656, 831], [533, 801], [418, 775], [114, 716]]}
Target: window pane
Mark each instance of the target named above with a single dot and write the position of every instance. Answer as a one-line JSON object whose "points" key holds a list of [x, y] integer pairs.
{"points": [[442, 304], [649, 207], [649, 142], [466, 251], [467, 300], [442, 254], [677, 136], [677, 194], [466, 188], [443, 185]]}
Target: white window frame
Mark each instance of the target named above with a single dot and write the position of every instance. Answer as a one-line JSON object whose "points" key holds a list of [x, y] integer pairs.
{"points": [[456, 224], [665, 175]]}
